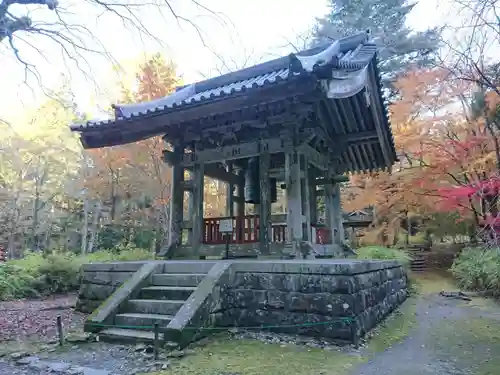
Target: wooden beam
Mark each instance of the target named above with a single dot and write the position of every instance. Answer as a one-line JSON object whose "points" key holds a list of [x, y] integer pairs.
{"points": [[315, 157], [171, 120], [238, 151], [333, 180], [279, 174], [359, 137], [212, 171]]}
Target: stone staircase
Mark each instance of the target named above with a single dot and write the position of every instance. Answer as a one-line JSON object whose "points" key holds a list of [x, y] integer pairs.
{"points": [[155, 303], [418, 256]]}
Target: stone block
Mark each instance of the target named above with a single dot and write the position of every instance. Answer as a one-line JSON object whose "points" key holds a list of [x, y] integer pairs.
{"points": [[87, 306], [325, 304], [95, 291], [265, 281], [367, 280], [246, 298], [325, 284], [106, 278]]}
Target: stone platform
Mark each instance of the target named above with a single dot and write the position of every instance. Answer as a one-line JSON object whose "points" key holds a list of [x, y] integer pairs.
{"points": [[335, 299]]}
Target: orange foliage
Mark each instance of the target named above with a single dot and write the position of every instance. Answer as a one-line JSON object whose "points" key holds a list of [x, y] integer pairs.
{"points": [[438, 144], [137, 169]]}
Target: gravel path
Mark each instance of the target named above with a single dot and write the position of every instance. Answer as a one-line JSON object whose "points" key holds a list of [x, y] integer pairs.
{"points": [[91, 359], [418, 354]]}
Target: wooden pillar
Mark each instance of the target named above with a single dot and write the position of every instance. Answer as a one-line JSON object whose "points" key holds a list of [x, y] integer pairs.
{"points": [[313, 196], [190, 216], [333, 213], [197, 218], [265, 204], [190, 211], [176, 203], [337, 214], [240, 205], [294, 204], [306, 196], [230, 193], [329, 218]]}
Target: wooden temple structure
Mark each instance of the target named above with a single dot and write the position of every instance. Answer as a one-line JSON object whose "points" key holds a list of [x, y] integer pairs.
{"points": [[301, 121]]}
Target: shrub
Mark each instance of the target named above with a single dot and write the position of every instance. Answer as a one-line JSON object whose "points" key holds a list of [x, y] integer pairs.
{"points": [[380, 252], [387, 253], [57, 272], [478, 269], [15, 282]]}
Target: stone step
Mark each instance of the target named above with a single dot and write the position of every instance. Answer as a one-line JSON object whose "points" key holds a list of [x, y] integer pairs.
{"points": [[178, 279], [153, 306], [188, 266], [127, 335], [141, 321], [166, 292], [133, 336]]}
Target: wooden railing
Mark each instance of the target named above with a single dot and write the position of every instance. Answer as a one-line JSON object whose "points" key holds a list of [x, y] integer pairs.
{"points": [[249, 233], [246, 230]]}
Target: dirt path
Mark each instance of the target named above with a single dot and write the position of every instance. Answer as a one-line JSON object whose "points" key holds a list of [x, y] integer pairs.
{"points": [[451, 337], [28, 320]]}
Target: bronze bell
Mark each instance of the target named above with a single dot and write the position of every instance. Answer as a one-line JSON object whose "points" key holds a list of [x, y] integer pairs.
{"points": [[252, 183]]}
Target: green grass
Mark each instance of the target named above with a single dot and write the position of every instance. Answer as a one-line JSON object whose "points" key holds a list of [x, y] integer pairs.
{"points": [[433, 282], [223, 356], [251, 357], [395, 328]]}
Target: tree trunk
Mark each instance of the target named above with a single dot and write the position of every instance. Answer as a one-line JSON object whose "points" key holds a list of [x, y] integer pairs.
{"points": [[95, 226], [85, 228], [36, 204]]}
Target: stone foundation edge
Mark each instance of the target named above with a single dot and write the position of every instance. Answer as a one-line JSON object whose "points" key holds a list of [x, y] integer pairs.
{"points": [[313, 298]]}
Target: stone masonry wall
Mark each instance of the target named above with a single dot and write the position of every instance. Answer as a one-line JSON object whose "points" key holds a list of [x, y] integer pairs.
{"points": [[336, 299], [99, 281], [340, 300]]}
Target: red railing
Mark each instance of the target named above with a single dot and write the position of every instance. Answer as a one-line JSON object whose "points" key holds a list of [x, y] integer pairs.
{"points": [[245, 230], [250, 231]]}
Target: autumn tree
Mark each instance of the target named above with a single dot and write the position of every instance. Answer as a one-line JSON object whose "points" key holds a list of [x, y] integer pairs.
{"points": [[439, 148], [38, 166]]}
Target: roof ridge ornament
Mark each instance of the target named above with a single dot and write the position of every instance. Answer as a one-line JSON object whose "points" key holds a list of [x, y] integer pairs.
{"points": [[349, 85], [295, 66], [324, 57]]}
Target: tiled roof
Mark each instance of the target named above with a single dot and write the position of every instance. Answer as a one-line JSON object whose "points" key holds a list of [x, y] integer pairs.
{"points": [[351, 54], [343, 68]]}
